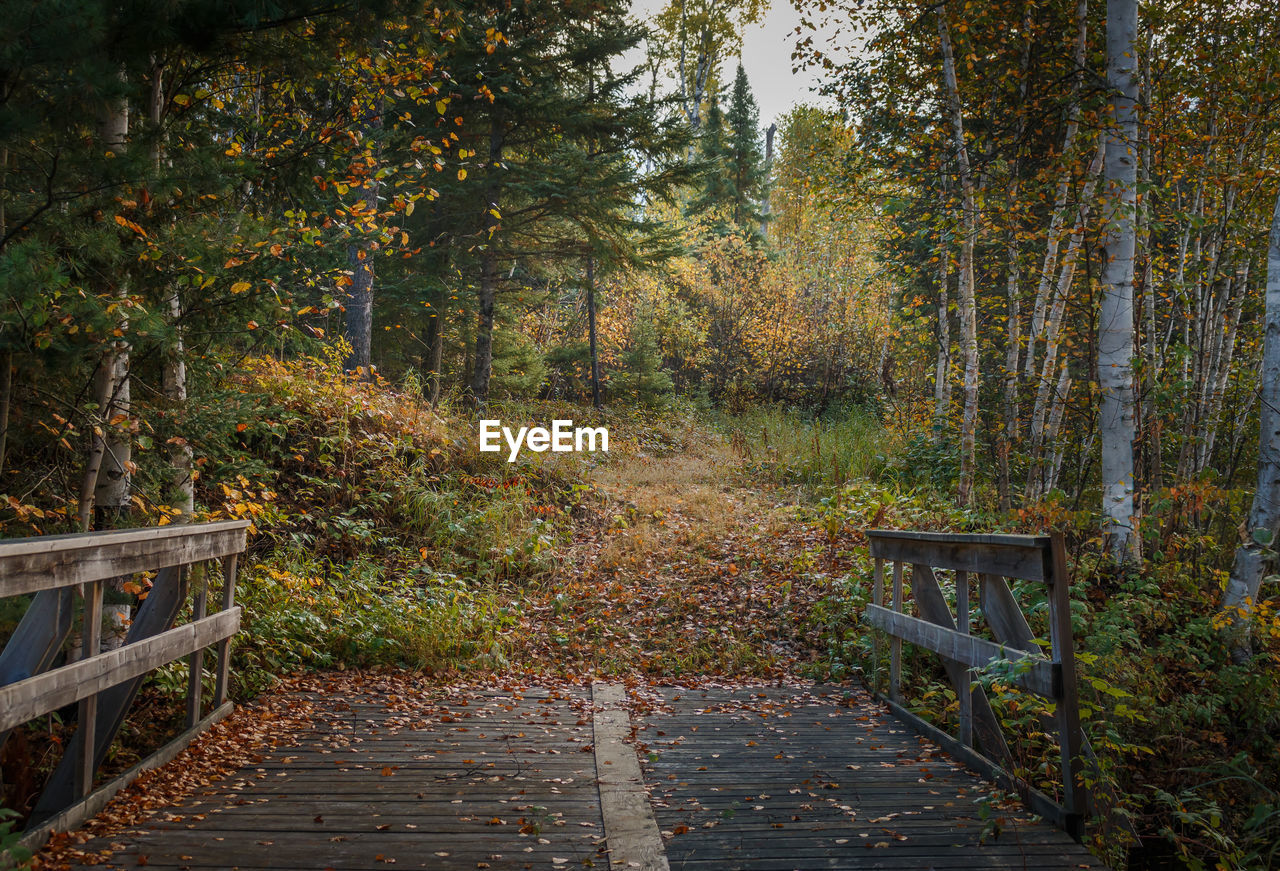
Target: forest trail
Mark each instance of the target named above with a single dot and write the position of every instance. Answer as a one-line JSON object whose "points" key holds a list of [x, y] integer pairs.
{"points": [[682, 568], [713, 751]]}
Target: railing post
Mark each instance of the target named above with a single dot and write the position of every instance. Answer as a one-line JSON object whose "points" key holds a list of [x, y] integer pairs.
{"points": [[1070, 736], [877, 598], [895, 643], [229, 563], [91, 635], [195, 678], [965, 693]]}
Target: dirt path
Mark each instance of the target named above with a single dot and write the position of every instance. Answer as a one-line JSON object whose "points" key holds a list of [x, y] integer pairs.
{"points": [[679, 568]]}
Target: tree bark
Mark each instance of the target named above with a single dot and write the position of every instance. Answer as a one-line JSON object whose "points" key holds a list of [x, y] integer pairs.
{"points": [[591, 333], [942, 368], [1256, 557], [968, 304], [1115, 324], [435, 350], [487, 292], [174, 374], [487, 295]]}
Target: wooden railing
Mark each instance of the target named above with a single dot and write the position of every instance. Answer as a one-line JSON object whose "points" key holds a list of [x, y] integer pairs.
{"points": [[58, 570], [990, 560]]}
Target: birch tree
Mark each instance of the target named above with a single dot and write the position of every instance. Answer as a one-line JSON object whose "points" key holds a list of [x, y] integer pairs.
{"points": [[1256, 556], [1116, 421], [968, 305]]}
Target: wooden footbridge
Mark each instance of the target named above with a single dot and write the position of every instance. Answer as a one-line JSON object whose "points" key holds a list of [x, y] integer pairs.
{"points": [[393, 770]]}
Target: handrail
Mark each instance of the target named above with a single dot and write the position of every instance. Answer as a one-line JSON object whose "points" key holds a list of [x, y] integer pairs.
{"points": [[105, 683], [28, 565], [993, 559]]}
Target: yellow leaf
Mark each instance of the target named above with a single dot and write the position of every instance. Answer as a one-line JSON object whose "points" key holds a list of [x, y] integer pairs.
{"points": [[462, 173], [240, 287]]}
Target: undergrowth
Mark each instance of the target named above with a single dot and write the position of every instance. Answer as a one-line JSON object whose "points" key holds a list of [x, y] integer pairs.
{"points": [[1188, 744]]}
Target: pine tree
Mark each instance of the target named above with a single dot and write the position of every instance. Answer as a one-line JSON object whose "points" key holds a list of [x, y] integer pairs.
{"points": [[731, 163], [746, 164]]}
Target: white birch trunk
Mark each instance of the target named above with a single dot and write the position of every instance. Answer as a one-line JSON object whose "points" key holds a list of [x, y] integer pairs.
{"points": [[968, 303], [942, 367], [1059, 214], [1255, 558], [1116, 424]]}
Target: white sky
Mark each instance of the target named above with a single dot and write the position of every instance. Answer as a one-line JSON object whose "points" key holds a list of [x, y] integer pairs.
{"points": [[766, 56]]}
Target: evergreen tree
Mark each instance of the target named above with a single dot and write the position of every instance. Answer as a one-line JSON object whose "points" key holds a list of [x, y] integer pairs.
{"points": [[555, 147], [745, 164], [714, 160], [732, 168]]}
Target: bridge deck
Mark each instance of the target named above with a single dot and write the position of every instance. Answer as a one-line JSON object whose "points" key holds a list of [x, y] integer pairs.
{"points": [[467, 778]]}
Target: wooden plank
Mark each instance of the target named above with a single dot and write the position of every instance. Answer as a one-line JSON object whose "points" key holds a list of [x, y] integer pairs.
{"points": [[895, 644], [1004, 615], [35, 837], [38, 638], [1041, 677], [962, 624], [634, 841], [877, 598], [1017, 556], [1068, 713], [48, 562], [222, 684], [195, 664], [91, 634], [1037, 801], [933, 608], [47, 692]]}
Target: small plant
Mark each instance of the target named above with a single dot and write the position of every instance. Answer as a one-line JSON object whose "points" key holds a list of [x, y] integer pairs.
{"points": [[12, 854]]}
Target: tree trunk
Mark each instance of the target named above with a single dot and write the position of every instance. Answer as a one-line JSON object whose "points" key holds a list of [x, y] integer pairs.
{"points": [[6, 396], [435, 350], [1060, 211], [968, 305], [487, 292], [1115, 324], [1255, 558], [768, 170], [942, 368], [174, 374], [591, 333]]}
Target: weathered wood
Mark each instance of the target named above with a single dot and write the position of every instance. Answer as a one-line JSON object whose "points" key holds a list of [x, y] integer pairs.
{"points": [[1036, 558], [1041, 676], [195, 664], [222, 684], [877, 598], [1070, 736], [47, 692], [962, 625], [1018, 556], [43, 628], [91, 634], [28, 565], [895, 644], [1004, 616], [633, 838], [156, 615], [87, 808], [933, 608]]}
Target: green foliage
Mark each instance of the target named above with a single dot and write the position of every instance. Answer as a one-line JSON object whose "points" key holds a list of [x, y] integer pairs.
{"points": [[786, 447], [303, 613], [12, 855], [641, 378]]}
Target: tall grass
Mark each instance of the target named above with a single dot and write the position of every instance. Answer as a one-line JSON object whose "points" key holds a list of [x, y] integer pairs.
{"points": [[788, 448]]}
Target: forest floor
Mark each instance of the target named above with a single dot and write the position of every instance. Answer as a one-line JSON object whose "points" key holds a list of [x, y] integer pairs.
{"points": [[682, 567]]}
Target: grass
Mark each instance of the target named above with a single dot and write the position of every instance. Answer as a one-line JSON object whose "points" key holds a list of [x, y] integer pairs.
{"points": [[788, 448]]}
